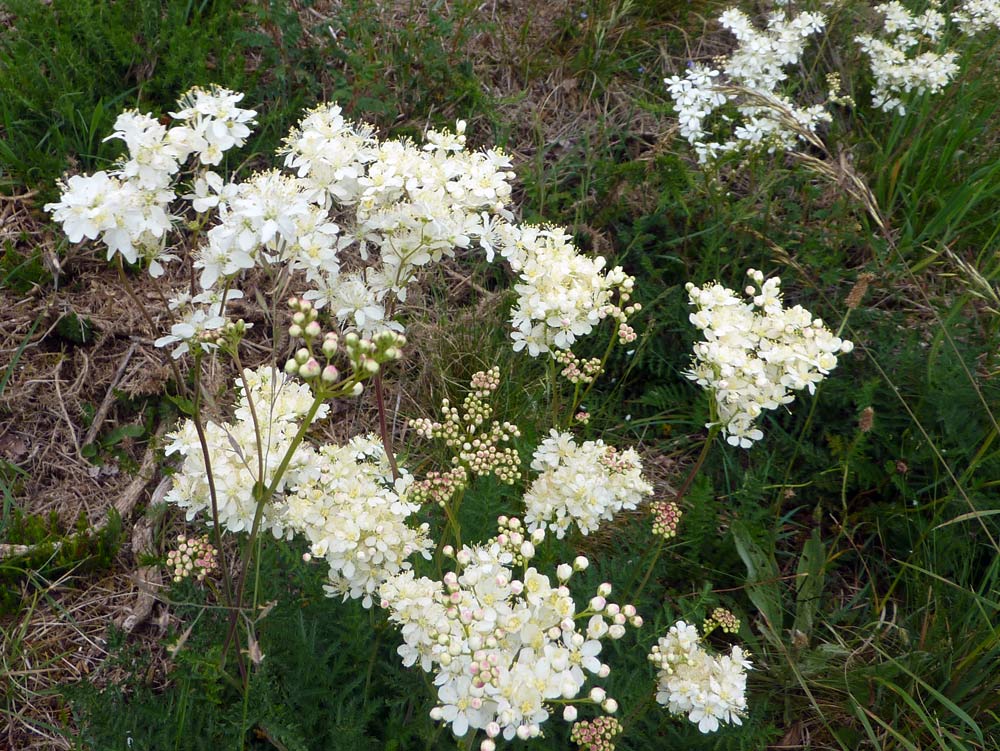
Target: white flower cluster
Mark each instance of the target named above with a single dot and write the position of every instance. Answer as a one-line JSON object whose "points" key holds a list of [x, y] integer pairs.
{"points": [[896, 72], [708, 689], [404, 205], [977, 16], [129, 207], [280, 405], [749, 79], [504, 649], [562, 293], [352, 513], [756, 352], [581, 484]]}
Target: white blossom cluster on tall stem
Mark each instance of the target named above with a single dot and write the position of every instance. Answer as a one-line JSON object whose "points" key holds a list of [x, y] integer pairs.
{"points": [[562, 294], [581, 484], [756, 353], [505, 649], [906, 60], [129, 207], [750, 79], [710, 690]]}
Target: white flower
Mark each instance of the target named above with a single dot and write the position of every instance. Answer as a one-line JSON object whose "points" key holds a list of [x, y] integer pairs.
{"points": [[709, 690], [581, 485], [756, 353]]}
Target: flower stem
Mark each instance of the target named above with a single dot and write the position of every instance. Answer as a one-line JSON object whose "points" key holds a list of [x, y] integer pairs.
{"points": [[383, 427], [685, 487]]}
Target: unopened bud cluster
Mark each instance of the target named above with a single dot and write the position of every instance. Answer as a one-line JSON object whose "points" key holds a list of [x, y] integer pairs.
{"points": [[597, 734], [577, 370], [313, 362], [666, 518], [194, 558], [439, 487], [723, 620], [474, 438]]}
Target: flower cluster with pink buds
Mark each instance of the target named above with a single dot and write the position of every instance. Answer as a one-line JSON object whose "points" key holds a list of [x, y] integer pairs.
{"points": [[475, 439], [194, 558], [666, 518], [577, 370], [314, 362], [597, 734], [505, 649], [721, 619]]}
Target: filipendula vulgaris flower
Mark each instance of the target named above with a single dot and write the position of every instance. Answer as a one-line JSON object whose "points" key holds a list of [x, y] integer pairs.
{"points": [[504, 649], [756, 353], [280, 404], [562, 294], [709, 689], [353, 514], [128, 208], [581, 484], [750, 79], [901, 62]]}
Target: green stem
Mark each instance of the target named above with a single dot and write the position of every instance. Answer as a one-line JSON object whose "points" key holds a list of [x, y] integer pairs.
{"points": [[590, 386], [685, 487]]}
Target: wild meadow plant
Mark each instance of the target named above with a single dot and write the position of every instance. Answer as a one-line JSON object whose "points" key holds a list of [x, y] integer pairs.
{"points": [[751, 99], [343, 233]]}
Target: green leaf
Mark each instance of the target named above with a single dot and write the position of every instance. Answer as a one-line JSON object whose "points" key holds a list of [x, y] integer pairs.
{"points": [[763, 587], [809, 583]]}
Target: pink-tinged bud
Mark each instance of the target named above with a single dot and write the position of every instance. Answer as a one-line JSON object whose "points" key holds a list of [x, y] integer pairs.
{"points": [[293, 302], [310, 368], [569, 713], [313, 329], [493, 729], [330, 374], [604, 589], [598, 603]]}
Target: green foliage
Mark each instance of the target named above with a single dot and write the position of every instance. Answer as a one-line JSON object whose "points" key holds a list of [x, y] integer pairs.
{"points": [[50, 549]]}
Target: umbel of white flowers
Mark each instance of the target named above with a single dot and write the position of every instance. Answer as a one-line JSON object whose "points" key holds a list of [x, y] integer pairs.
{"points": [[756, 353]]}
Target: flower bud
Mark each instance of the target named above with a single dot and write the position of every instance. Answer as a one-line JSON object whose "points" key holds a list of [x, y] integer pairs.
{"points": [[527, 549], [301, 356], [291, 367], [597, 694], [604, 589], [538, 536], [310, 368], [616, 631], [604, 671], [313, 329], [564, 571], [330, 374], [609, 705], [569, 713], [295, 331], [493, 729], [299, 318], [598, 603], [357, 389], [580, 563]]}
